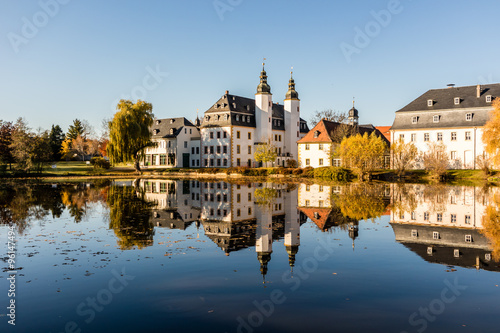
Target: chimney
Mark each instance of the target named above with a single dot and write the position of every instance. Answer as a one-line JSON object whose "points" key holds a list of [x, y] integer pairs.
{"points": [[227, 92], [451, 85], [478, 92]]}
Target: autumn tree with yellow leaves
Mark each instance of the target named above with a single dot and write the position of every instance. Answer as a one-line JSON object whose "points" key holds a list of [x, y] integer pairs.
{"points": [[491, 134], [362, 153]]}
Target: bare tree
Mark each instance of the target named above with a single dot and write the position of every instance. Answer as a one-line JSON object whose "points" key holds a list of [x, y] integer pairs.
{"points": [[330, 115]]}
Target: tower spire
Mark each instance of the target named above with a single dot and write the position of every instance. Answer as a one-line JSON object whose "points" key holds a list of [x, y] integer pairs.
{"points": [[291, 93], [263, 87]]}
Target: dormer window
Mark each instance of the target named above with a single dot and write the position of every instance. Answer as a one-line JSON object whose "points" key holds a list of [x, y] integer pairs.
{"points": [[172, 130], [158, 122], [468, 116], [435, 119], [488, 99], [172, 121], [414, 120], [234, 105], [248, 119], [248, 107], [156, 131], [316, 133], [237, 118], [430, 102], [457, 100]]}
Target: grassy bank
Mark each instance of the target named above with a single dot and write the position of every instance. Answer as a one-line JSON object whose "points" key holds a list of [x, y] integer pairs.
{"points": [[84, 170]]}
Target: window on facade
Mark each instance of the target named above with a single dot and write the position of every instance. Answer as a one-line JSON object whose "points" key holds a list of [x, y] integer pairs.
{"points": [[426, 216], [453, 218], [308, 162], [185, 144], [169, 144], [153, 159], [413, 137], [468, 116], [337, 162], [211, 162], [320, 146], [238, 149], [453, 136], [401, 137], [192, 150], [206, 149], [211, 149], [224, 134], [440, 136], [307, 146], [249, 149], [218, 162], [426, 136], [163, 159], [414, 120], [467, 219], [148, 160], [439, 217], [218, 150], [224, 149], [224, 162], [435, 119], [238, 134], [413, 215], [211, 135], [238, 162], [453, 155], [320, 161], [218, 135], [206, 162], [237, 118], [435, 235], [468, 136]]}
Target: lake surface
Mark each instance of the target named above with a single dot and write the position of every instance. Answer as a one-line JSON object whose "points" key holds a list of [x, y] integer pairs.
{"points": [[189, 256]]}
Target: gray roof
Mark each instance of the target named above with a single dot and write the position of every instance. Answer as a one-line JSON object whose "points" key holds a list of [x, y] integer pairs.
{"points": [[169, 127], [232, 110], [443, 105]]}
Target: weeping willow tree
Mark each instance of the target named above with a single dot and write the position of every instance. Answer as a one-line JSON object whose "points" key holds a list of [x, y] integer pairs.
{"points": [[362, 201], [129, 132]]}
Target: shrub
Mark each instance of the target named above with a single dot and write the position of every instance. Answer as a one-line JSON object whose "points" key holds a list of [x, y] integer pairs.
{"points": [[297, 171], [308, 172], [291, 163], [333, 173], [100, 163], [209, 170]]}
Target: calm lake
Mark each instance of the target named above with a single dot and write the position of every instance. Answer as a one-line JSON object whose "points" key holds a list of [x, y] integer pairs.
{"points": [[188, 256]]}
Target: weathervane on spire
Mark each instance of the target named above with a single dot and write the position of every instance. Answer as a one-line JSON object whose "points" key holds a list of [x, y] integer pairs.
{"points": [[263, 63], [291, 72]]}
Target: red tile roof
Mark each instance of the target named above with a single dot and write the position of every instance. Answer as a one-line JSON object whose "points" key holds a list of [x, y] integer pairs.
{"points": [[385, 131]]}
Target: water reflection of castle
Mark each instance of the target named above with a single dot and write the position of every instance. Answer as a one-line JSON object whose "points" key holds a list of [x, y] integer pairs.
{"points": [[233, 216], [442, 224]]}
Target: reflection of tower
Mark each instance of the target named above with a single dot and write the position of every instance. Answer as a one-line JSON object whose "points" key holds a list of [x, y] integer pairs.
{"points": [[264, 241], [353, 232], [292, 226]]}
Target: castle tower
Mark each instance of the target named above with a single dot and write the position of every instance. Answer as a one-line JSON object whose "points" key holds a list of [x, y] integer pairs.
{"points": [[353, 116], [263, 109], [264, 236], [292, 119], [292, 226]]}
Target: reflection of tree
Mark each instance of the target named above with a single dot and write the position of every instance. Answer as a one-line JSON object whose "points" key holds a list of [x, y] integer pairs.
{"points": [[405, 197], [362, 201], [265, 196], [491, 225], [77, 198], [130, 215], [435, 195]]}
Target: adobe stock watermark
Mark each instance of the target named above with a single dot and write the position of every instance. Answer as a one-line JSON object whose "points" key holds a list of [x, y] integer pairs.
{"points": [[30, 27], [150, 82], [364, 36], [92, 305], [223, 6], [420, 319], [266, 308]]}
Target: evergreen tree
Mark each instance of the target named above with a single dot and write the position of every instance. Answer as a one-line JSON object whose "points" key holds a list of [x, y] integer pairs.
{"points": [[56, 138], [76, 129]]}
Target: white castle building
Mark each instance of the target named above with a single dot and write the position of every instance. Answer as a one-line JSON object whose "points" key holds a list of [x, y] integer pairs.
{"points": [[234, 126], [452, 116]]}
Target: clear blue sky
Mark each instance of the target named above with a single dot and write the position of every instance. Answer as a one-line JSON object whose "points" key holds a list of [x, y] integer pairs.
{"points": [[85, 55]]}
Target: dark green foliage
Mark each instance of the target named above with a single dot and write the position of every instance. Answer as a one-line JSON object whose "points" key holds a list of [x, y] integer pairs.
{"points": [[100, 163], [56, 138], [75, 130]]}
